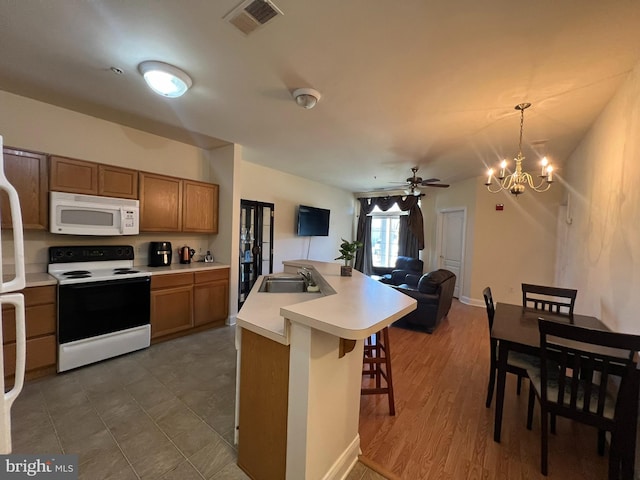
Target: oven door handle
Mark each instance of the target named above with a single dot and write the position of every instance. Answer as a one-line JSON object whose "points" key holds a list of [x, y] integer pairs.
{"points": [[120, 281]]}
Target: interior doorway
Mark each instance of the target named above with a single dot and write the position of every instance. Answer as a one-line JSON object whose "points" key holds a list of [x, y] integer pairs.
{"points": [[256, 244], [451, 231]]}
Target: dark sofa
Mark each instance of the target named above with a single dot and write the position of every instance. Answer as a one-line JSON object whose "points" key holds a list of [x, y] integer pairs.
{"points": [[434, 293], [404, 266]]}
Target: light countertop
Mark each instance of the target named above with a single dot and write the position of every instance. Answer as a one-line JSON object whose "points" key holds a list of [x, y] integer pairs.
{"points": [[181, 268], [359, 307], [40, 279]]}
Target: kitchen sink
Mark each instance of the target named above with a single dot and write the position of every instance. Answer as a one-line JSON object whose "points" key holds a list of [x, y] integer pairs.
{"points": [[283, 284]]}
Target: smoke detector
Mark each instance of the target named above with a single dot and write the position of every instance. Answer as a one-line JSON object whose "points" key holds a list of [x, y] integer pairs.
{"points": [[250, 15], [306, 97]]}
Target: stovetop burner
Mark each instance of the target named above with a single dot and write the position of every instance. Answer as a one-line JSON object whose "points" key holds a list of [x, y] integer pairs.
{"points": [[73, 273], [78, 264], [124, 271]]}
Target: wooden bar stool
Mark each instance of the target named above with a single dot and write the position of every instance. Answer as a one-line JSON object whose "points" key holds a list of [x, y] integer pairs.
{"points": [[377, 365]]}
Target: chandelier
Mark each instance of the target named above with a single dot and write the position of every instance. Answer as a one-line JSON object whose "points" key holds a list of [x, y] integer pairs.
{"points": [[516, 182]]}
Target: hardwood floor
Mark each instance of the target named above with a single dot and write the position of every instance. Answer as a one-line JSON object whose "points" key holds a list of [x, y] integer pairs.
{"points": [[442, 428]]}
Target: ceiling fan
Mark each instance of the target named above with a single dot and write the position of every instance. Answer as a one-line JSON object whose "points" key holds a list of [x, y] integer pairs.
{"points": [[414, 183]]}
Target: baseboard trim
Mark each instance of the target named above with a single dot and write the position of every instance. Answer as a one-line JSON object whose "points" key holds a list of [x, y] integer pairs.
{"points": [[472, 301], [370, 464], [345, 463]]}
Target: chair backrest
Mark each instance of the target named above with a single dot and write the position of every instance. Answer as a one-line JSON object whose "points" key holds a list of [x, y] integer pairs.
{"points": [[570, 355], [550, 299], [491, 309], [412, 265]]}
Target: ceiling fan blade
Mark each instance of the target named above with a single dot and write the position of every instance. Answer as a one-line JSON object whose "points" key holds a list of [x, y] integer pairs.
{"points": [[430, 180], [439, 185]]}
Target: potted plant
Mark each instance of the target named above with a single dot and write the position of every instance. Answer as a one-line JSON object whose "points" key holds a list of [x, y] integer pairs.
{"points": [[348, 253]]}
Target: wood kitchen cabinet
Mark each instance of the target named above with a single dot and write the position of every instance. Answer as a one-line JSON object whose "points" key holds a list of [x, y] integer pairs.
{"points": [[117, 182], [89, 178], [263, 406], [170, 204], [27, 172], [184, 303], [171, 303], [199, 207], [211, 296], [73, 176], [40, 322], [160, 203]]}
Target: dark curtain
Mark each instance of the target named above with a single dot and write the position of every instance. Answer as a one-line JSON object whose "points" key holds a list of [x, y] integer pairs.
{"points": [[364, 261], [411, 240], [407, 243]]}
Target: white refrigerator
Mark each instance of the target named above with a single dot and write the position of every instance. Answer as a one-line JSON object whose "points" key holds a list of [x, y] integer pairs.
{"points": [[8, 296]]}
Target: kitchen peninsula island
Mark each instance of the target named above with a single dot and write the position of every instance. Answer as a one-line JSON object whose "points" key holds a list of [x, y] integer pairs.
{"points": [[300, 371]]}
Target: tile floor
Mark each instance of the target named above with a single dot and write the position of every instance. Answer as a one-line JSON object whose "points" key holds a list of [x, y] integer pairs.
{"points": [[166, 412]]}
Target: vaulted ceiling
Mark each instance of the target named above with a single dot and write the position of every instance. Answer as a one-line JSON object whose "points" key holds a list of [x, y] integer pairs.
{"points": [[431, 83]]}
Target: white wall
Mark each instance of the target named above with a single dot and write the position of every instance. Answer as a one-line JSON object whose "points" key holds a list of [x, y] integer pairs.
{"points": [[286, 192], [602, 255], [38, 126], [516, 245], [504, 248]]}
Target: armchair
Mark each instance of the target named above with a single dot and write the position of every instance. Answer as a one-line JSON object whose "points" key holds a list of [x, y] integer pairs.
{"points": [[434, 293], [404, 266]]}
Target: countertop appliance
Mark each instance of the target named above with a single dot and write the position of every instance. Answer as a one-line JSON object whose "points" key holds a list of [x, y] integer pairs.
{"points": [[186, 254], [159, 254], [8, 296], [103, 303], [75, 214]]}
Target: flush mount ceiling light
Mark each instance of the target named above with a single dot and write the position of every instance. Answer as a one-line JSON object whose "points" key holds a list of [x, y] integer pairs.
{"points": [[165, 79], [306, 97]]}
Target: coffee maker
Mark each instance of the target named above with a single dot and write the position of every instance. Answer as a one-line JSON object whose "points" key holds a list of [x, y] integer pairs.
{"points": [[159, 254]]}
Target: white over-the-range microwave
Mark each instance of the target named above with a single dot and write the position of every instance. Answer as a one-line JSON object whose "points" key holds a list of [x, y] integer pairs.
{"points": [[75, 214]]}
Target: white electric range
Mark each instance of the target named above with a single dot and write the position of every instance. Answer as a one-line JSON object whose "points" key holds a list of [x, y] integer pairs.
{"points": [[103, 303]]}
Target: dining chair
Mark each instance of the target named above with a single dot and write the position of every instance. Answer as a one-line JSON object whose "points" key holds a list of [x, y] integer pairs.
{"points": [[517, 363], [555, 300], [550, 299], [611, 404]]}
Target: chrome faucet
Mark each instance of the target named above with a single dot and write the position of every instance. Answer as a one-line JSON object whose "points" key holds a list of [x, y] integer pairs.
{"points": [[305, 273]]}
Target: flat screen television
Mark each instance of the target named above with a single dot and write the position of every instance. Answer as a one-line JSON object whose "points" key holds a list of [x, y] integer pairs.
{"points": [[313, 222]]}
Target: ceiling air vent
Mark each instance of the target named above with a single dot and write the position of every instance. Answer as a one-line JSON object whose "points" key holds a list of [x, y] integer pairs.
{"points": [[250, 15]]}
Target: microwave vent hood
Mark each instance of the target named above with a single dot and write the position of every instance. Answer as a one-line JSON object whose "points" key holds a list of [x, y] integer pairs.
{"points": [[75, 214]]}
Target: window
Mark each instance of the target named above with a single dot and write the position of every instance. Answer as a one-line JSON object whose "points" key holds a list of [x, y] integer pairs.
{"points": [[385, 234]]}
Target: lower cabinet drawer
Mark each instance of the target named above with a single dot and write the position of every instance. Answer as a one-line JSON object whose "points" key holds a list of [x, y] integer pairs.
{"points": [[41, 352]]}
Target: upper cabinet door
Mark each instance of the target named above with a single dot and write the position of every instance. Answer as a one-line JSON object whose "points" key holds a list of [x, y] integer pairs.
{"points": [[117, 182], [73, 176], [27, 172], [200, 207], [160, 203]]}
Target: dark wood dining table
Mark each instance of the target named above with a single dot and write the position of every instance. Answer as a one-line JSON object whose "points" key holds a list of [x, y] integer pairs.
{"points": [[516, 328]]}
